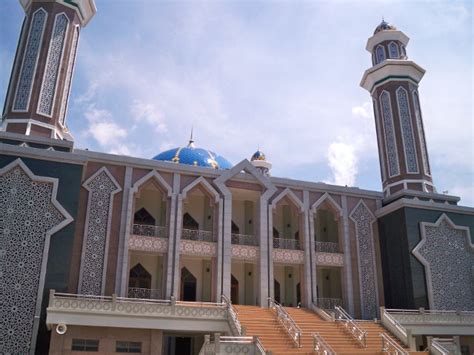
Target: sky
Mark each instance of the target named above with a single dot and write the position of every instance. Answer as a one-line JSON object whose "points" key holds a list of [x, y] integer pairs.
{"points": [[282, 76]]}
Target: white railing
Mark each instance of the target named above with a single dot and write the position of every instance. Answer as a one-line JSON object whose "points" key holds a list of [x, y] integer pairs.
{"points": [[149, 231], [442, 346], [329, 303], [391, 347], [423, 316], [288, 323], [144, 293], [231, 345], [243, 239], [198, 235], [351, 327], [327, 247], [283, 243], [232, 316], [320, 347], [394, 326]]}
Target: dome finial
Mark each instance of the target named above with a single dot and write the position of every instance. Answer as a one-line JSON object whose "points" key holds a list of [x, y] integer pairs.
{"points": [[191, 140]]}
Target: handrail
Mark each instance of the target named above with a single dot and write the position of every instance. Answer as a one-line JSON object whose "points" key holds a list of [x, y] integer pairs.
{"points": [[144, 293], [288, 323], [320, 346], [197, 235], [427, 311], [243, 239], [260, 347], [394, 325], [327, 247], [351, 326], [286, 243], [391, 347], [439, 345], [232, 315], [149, 230], [323, 313]]}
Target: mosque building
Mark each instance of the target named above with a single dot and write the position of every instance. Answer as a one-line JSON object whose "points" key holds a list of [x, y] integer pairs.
{"points": [[187, 253]]}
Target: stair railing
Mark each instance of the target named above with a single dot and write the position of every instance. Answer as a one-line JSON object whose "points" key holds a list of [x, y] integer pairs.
{"points": [[320, 347], [441, 346], [391, 347], [232, 316], [357, 333], [394, 326], [288, 323]]}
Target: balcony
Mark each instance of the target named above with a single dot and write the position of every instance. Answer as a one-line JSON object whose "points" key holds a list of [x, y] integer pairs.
{"points": [[144, 293], [283, 243], [243, 239], [327, 247], [149, 231], [197, 235]]}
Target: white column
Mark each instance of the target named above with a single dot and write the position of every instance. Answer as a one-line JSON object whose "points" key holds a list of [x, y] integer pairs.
{"points": [[347, 257], [170, 268], [265, 284], [269, 241], [308, 253], [125, 222], [218, 276], [226, 245], [313, 253]]}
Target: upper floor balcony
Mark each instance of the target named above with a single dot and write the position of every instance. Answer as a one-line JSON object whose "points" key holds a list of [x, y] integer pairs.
{"points": [[244, 239], [286, 243], [149, 230], [327, 247], [197, 235]]}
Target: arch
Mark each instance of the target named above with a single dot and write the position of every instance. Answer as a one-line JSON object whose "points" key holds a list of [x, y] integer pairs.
{"points": [[326, 198], [380, 54], [154, 176], [292, 197], [188, 285], [142, 216], [234, 228], [189, 222], [393, 51], [139, 277], [201, 181]]}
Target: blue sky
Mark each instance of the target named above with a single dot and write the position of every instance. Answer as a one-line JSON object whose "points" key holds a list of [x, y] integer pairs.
{"points": [[280, 75]]}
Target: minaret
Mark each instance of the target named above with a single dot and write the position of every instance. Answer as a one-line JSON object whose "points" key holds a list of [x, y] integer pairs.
{"points": [[40, 82], [393, 83], [259, 161]]}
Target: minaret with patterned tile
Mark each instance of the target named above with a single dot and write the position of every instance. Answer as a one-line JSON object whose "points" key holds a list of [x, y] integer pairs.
{"points": [[40, 82], [393, 83]]}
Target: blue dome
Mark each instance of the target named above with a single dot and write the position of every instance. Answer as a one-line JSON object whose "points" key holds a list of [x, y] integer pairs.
{"points": [[190, 155], [384, 26], [258, 155]]}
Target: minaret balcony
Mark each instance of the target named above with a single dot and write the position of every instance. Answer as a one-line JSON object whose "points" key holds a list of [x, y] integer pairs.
{"points": [[327, 247], [286, 243], [150, 230], [243, 239], [197, 235]]}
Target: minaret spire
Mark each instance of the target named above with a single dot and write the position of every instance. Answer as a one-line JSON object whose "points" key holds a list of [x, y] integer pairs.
{"points": [[191, 140]]}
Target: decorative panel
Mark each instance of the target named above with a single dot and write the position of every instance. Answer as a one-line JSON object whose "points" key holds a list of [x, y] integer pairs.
{"points": [[447, 254], [363, 220], [150, 244], [330, 259], [245, 252], [30, 60], [53, 63], [378, 122], [421, 133], [30, 214], [288, 256], [102, 187], [389, 132], [197, 248], [67, 83], [407, 131]]}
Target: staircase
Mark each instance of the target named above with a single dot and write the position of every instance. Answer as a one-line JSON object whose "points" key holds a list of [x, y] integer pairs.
{"points": [[263, 323]]}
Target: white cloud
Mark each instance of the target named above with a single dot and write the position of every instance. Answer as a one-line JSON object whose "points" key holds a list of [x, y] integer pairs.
{"points": [[343, 161], [364, 110], [150, 113], [104, 130]]}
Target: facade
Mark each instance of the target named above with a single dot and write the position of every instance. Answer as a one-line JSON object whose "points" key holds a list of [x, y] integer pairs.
{"points": [[98, 250]]}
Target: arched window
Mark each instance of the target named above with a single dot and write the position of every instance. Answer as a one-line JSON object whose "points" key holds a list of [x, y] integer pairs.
{"points": [[139, 277], [235, 228], [189, 222], [276, 233], [404, 52], [142, 216], [380, 54], [393, 50]]}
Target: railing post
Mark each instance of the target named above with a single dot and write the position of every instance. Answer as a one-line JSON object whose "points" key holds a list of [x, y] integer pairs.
{"points": [[51, 297], [217, 342], [114, 301], [243, 330], [173, 304]]}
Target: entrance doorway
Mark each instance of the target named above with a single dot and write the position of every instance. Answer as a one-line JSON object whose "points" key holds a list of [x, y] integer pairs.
{"points": [[183, 345], [188, 285], [234, 290]]}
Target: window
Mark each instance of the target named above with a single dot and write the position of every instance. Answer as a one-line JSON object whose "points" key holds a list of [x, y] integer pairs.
{"points": [[393, 50], [128, 347], [380, 54], [85, 345]]}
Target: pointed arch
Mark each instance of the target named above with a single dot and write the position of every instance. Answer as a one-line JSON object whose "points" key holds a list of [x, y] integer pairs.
{"points": [[201, 181], [153, 175], [291, 195], [326, 198]]}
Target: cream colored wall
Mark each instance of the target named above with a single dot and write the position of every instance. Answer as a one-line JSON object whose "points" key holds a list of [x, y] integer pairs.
{"points": [[287, 285], [238, 214], [331, 288], [325, 220], [198, 207], [195, 267], [247, 284], [153, 264], [282, 216], [152, 201]]}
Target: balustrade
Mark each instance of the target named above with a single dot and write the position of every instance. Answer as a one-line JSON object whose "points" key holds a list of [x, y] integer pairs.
{"points": [[149, 231], [351, 327], [288, 323], [329, 303], [391, 347], [320, 347], [327, 247], [243, 239], [283, 243], [197, 235], [145, 293]]}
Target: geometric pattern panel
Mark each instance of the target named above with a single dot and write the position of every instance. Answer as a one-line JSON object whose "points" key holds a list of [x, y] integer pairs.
{"points": [[30, 59], [245, 252], [389, 130], [330, 259], [102, 187], [197, 248], [421, 133], [67, 82], [363, 220], [407, 131], [53, 63], [447, 254], [149, 244], [29, 214], [288, 256]]}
